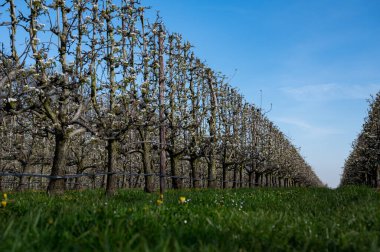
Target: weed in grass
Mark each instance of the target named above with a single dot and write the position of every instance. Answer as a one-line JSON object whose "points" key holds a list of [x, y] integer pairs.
{"points": [[214, 220]]}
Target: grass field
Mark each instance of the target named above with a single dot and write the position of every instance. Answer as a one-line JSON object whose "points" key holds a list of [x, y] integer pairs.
{"points": [[211, 220]]}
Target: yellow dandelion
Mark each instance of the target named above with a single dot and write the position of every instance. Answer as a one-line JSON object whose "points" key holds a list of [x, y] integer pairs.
{"points": [[5, 196], [3, 203], [159, 202], [161, 197], [182, 200]]}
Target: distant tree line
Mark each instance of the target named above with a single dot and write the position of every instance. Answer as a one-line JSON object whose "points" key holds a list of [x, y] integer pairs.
{"points": [[362, 167], [92, 86]]}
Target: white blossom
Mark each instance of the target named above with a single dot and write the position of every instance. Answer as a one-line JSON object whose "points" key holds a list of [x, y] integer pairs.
{"points": [[12, 99]]}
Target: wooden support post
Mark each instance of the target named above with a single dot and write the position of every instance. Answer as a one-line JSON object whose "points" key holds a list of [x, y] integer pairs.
{"points": [[162, 111]]}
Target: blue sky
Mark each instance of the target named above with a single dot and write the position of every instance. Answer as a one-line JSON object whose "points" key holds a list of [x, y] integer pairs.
{"points": [[316, 61]]}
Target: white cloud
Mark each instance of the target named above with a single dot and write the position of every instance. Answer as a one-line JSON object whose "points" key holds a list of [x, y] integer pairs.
{"points": [[311, 130], [328, 92]]}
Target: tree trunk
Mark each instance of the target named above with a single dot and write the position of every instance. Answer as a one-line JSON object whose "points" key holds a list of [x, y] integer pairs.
{"points": [[240, 177], [257, 179], [23, 179], [103, 183], [124, 183], [130, 179], [148, 171], [111, 167], [176, 182], [211, 180], [80, 169], [194, 172], [250, 179], [266, 180], [57, 185], [234, 184], [212, 124], [77, 185], [162, 111], [224, 176]]}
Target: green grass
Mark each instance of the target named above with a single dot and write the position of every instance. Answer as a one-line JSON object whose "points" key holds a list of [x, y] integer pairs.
{"points": [[298, 219]]}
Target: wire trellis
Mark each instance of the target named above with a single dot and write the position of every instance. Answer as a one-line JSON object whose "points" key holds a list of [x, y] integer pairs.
{"points": [[93, 176]]}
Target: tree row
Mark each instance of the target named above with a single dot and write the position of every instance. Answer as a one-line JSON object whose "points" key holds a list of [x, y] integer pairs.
{"points": [[362, 166], [89, 86]]}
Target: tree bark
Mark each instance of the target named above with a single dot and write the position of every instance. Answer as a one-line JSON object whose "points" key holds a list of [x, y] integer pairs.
{"points": [[211, 181], [267, 176], [194, 173], [80, 169], [23, 179], [111, 167], [212, 124], [378, 176], [234, 184], [250, 179], [224, 176], [257, 179], [147, 164], [240, 177], [279, 182], [176, 182], [162, 111], [57, 185]]}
